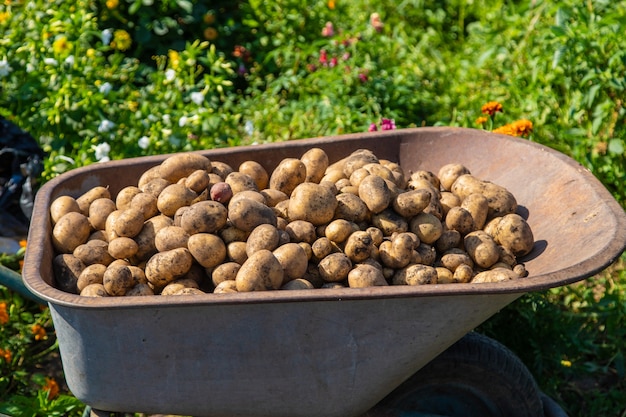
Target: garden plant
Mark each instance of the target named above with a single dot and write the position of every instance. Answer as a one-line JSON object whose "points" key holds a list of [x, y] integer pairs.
{"points": [[96, 80]]}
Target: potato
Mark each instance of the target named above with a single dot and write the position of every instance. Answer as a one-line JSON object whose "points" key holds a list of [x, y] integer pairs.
{"points": [[444, 275], [164, 267], [146, 237], [117, 279], [85, 200], [182, 165], [297, 284], [146, 203], [415, 274], [427, 227], [313, 203], [301, 231], [358, 246], [123, 248], [447, 201], [94, 290], [264, 236], [501, 201], [449, 173], [339, 230], [293, 260], [323, 247], [494, 275], [171, 237], [389, 222], [67, 268], [335, 267], [128, 223], [255, 171], [397, 253], [175, 286], [358, 159], [261, 271], [226, 271], [204, 217], [478, 206], [124, 197], [350, 207], [99, 210], [316, 162], [514, 233], [198, 181], [455, 257], [460, 220], [463, 273], [482, 248], [238, 182], [70, 231], [273, 197], [230, 233], [155, 186], [247, 214], [226, 287], [61, 206], [412, 202], [208, 249], [94, 252], [364, 275], [173, 197], [375, 193], [221, 169], [139, 290], [289, 173], [449, 239], [236, 252], [425, 254]]}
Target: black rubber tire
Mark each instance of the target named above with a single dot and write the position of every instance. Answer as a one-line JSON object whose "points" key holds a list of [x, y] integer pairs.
{"points": [[475, 377]]}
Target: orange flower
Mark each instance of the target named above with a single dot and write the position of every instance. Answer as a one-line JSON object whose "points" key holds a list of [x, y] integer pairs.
{"points": [[521, 127], [481, 120], [38, 331], [4, 316], [52, 387], [23, 243], [331, 4], [210, 34], [491, 108], [6, 354]]}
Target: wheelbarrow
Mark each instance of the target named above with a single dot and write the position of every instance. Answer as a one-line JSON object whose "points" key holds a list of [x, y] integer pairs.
{"points": [[315, 352]]}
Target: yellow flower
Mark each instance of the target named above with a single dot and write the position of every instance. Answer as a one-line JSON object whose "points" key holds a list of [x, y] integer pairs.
{"points": [[481, 120], [91, 53], [4, 316], [566, 363], [4, 17], [61, 45], [491, 108], [112, 4], [52, 387], [133, 106], [210, 34], [174, 58], [38, 331], [6, 354], [121, 40], [520, 127]]}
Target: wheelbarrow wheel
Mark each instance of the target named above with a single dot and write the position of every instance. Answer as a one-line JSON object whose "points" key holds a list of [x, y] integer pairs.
{"points": [[475, 377]]}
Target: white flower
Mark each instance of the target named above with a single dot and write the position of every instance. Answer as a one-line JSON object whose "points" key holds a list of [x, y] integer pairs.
{"points": [[50, 61], [170, 74], [105, 125], [5, 68], [69, 61], [106, 36], [30, 67], [167, 119], [143, 142], [105, 88], [102, 151], [197, 97], [182, 121], [248, 128]]}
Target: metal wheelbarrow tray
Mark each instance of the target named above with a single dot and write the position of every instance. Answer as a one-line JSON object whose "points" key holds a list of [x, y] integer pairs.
{"points": [[314, 352]]}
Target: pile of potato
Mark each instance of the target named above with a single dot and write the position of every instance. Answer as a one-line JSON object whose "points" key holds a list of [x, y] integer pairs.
{"points": [[192, 225]]}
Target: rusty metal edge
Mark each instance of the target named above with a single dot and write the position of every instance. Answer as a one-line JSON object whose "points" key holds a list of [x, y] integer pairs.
{"points": [[607, 256]]}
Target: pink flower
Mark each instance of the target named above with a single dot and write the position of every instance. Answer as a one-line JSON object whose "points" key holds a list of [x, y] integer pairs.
{"points": [[328, 30], [363, 77], [333, 62], [388, 124], [376, 22], [345, 56], [372, 128], [323, 57]]}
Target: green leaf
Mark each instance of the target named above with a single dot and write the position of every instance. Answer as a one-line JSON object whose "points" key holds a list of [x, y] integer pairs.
{"points": [[185, 5], [558, 54], [616, 146]]}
